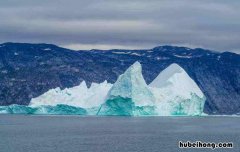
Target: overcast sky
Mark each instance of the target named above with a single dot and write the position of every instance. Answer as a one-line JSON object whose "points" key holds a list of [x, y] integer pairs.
{"points": [[91, 24]]}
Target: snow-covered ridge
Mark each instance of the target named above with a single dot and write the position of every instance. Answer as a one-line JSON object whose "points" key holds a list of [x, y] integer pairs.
{"points": [[172, 92]]}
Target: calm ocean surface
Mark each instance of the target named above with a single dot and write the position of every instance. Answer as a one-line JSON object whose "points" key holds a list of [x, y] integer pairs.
{"points": [[20, 133]]}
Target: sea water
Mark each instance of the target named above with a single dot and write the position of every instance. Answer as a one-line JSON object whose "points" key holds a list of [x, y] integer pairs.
{"points": [[31, 133]]}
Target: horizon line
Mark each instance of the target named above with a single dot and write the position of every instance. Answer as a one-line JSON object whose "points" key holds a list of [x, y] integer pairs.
{"points": [[119, 47]]}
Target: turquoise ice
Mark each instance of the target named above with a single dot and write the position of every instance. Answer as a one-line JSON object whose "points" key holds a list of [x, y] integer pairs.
{"points": [[43, 110], [129, 95], [124, 107]]}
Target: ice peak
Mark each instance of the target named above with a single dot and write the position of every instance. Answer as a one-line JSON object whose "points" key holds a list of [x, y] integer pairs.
{"points": [[135, 67], [131, 84], [83, 84], [93, 84], [176, 78], [105, 82], [171, 71], [176, 67]]}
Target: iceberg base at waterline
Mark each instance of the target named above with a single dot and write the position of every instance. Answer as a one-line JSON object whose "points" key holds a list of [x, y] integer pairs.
{"points": [[125, 107], [181, 107], [43, 110], [114, 107]]}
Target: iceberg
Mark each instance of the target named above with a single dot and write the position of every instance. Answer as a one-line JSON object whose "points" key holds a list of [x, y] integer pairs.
{"points": [[176, 93], [129, 94], [171, 93], [78, 96]]}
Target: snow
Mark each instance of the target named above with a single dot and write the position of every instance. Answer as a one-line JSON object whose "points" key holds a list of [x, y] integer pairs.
{"points": [[79, 96], [179, 56], [121, 52], [136, 54], [161, 58]]}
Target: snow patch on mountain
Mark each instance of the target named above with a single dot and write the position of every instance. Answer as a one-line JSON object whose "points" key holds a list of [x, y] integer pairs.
{"points": [[179, 56], [47, 49], [121, 52], [136, 54]]}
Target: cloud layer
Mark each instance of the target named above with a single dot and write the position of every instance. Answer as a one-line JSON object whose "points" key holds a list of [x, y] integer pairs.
{"points": [[104, 24]]}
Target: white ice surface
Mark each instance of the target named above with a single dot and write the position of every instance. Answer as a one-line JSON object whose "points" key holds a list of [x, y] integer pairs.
{"points": [[79, 96], [177, 81], [174, 87]]}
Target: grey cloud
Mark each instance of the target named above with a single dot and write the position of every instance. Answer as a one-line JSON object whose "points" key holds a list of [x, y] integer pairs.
{"points": [[203, 23]]}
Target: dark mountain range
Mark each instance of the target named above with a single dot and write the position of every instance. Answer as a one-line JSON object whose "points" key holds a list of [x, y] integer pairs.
{"points": [[28, 70]]}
